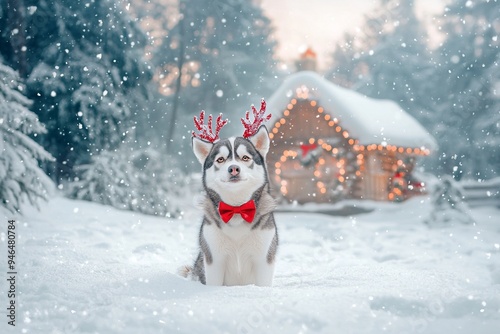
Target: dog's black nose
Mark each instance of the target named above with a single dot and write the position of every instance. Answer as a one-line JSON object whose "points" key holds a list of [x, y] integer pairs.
{"points": [[233, 170]]}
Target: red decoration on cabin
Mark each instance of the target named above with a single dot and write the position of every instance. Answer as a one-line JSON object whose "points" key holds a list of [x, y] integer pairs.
{"points": [[205, 130], [306, 148], [251, 127]]}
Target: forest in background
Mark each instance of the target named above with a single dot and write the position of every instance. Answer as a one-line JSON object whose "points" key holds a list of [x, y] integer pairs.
{"points": [[91, 99]]}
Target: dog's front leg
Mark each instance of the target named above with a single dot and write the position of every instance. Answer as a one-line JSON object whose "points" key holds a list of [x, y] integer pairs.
{"points": [[264, 272], [214, 272]]}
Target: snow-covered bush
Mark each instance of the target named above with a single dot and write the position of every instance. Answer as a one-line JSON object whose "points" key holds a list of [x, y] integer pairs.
{"points": [[140, 180], [447, 204], [20, 176]]}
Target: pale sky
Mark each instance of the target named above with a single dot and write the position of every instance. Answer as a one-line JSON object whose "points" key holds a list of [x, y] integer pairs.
{"points": [[321, 23]]}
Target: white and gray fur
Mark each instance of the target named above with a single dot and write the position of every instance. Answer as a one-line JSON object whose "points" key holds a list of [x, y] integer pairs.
{"points": [[235, 253]]}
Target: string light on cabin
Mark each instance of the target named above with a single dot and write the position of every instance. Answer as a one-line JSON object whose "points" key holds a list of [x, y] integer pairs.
{"points": [[303, 93]]}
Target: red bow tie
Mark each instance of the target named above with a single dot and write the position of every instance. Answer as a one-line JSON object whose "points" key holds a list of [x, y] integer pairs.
{"points": [[247, 211]]}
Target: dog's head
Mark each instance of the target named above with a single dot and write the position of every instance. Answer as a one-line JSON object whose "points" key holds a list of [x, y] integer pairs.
{"points": [[235, 167]]}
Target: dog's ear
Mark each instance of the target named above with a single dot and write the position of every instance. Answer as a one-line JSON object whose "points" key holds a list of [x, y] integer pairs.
{"points": [[261, 141], [201, 149]]}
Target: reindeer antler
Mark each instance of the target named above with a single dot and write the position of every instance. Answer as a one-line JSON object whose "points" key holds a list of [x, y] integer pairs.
{"points": [[205, 130], [251, 128]]}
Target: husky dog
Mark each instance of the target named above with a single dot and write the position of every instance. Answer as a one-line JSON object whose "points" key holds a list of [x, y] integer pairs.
{"points": [[238, 238]]}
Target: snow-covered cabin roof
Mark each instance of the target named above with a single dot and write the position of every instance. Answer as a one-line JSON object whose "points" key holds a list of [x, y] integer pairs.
{"points": [[371, 121]]}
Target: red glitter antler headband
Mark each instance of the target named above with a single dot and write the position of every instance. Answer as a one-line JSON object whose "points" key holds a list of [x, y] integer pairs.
{"points": [[251, 127], [205, 130]]}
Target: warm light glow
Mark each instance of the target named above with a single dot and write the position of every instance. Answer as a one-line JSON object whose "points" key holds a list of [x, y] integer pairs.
{"points": [[275, 130], [320, 110], [271, 135], [311, 141], [286, 112], [313, 103], [335, 150], [345, 134], [277, 164], [338, 129], [341, 179], [331, 123], [408, 150], [294, 101], [401, 150], [327, 117], [282, 121], [351, 141]]}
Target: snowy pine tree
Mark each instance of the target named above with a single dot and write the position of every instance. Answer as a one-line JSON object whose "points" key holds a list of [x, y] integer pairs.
{"points": [[466, 90], [132, 179], [223, 50], [21, 177], [448, 206], [85, 74], [388, 59]]}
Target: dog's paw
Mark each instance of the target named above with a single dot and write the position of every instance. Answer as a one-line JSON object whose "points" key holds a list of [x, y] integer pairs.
{"points": [[185, 271]]}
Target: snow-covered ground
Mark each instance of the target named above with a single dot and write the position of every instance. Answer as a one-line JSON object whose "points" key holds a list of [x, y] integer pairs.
{"points": [[87, 268]]}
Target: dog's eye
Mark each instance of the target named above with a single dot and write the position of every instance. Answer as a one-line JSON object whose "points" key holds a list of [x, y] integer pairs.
{"points": [[220, 160], [245, 158]]}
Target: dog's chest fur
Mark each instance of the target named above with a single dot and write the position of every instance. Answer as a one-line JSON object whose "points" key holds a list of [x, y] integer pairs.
{"points": [[241, 247]]}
